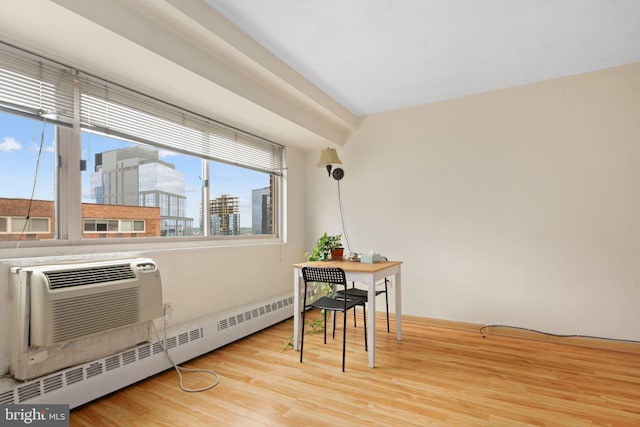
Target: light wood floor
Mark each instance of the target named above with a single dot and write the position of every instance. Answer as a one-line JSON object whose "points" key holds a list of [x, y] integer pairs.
{"points": [[435, 376]]}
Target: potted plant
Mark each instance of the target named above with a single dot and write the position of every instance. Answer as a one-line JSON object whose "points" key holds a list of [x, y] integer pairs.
{"points": [[327, 247]]}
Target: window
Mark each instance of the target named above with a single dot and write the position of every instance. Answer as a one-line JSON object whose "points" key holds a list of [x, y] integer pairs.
{"points": [[121, 173], [148, 168], [31, 225], [18, 225], [113, 225], [239, 201]]}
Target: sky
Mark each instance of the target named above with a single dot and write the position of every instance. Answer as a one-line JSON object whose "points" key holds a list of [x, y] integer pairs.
{"points": [[22, 139]]}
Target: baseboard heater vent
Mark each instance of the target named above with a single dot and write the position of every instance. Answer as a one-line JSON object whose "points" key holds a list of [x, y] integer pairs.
{"points": [[82, 383], [239, 318]]}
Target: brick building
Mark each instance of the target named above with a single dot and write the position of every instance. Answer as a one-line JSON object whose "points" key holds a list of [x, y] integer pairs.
{"points": [[99, 221]]}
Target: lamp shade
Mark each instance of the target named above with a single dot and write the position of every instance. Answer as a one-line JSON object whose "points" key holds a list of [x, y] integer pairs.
{"points": [[328, 156]]}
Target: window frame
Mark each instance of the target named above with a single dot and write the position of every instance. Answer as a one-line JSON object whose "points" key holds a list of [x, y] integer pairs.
{"points": [[68, 219]]}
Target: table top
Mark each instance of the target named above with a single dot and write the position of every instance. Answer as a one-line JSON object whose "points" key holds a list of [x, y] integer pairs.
{"points": [[351, 266]]}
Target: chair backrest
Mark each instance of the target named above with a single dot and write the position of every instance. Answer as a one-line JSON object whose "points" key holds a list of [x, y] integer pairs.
{"points": [[333, 275]]}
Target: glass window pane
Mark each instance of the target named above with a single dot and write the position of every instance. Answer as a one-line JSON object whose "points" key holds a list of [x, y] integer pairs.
{"points": [[27, 161], [3, 225], [126, 225], [240, 201], [138, 225], [163, 186], [39, 225], [113, 225], [18, 225], [89, 225]]}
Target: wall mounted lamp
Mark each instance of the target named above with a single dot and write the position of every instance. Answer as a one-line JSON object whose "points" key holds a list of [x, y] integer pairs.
{"points": [[328, 158]]}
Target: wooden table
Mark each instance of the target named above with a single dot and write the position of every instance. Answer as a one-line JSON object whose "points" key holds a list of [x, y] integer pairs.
{"points": [[368, 274]]}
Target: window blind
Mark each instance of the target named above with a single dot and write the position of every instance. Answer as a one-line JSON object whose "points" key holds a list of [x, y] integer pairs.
{"points": [[34, 87], [114, 110]]}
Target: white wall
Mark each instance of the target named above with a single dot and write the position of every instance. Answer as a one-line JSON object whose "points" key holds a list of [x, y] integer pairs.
{"points": [[197, 281], [517, 207]]}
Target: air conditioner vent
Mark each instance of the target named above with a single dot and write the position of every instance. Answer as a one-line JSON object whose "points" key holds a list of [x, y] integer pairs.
{"points": [[89, 276], [99, 312]]}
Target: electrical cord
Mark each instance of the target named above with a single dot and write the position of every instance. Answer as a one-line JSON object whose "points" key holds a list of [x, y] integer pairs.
{"points": [[180, 369], [344, 230], [555, 335], [35, 182]]}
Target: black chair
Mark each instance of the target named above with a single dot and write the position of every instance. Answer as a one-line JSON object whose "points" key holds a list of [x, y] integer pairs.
{"points": [[354, 292], [334, 277]]}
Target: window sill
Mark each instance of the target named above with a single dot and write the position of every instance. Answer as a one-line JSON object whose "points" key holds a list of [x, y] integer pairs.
{"points": [[66, 250]]}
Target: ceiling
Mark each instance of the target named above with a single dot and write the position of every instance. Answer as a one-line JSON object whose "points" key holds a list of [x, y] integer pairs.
{"points": [[304, 72], [378, 55]]}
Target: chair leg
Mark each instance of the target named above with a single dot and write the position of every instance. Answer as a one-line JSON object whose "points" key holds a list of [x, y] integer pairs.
{"points": [[325, 326], [353, 285], [304, 311], [354, 318], [333, 324]]}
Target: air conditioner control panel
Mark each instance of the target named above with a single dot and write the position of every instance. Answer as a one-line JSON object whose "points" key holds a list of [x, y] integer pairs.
{"points": [[146, 267]]}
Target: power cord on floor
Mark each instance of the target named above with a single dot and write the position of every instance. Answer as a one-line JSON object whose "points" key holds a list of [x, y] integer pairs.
{"points": [[555, 335], [180, 369]]}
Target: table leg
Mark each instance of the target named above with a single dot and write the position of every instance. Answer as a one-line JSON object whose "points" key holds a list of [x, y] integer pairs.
{"points": [[398, 305], [297, 301], [371, 331]]}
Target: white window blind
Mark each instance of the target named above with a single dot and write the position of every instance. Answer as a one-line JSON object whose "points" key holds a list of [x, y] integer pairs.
{"points": [[113, 110], [34, 87]]}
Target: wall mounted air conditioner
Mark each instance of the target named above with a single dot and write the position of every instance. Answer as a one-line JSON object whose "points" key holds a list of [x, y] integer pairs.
{"points": [[67, 314]]}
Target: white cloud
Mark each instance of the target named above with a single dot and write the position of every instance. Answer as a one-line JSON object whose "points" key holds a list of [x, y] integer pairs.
{"points": [[45, 148], [164, 153], [10, 144]]}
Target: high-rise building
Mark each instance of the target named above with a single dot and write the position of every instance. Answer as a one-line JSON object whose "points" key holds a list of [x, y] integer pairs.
{"points": [[224, 215], [261, 222], [136, 176]]}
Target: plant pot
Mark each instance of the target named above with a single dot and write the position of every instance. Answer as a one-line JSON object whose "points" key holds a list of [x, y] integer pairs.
{"points": [[337, 254]]}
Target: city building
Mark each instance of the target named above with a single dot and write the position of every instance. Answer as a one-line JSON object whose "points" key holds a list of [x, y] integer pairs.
{"points": [[261, 217], [98, 220], [224, 215], [136, 176]]}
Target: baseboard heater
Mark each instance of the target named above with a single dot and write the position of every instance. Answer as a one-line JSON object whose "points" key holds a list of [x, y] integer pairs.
{"points": [[85, 382]]}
